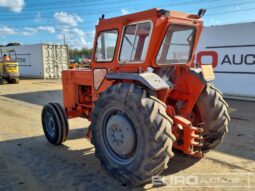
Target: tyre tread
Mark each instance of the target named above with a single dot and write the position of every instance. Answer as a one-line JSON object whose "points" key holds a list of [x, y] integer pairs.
{"points": [[159, 149]]}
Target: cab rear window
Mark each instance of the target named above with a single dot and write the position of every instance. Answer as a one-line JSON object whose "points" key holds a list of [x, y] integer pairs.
{"points": [[177, 45]]}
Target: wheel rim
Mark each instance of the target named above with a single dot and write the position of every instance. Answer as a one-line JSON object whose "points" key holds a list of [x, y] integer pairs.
{"points": [[50, 125], [120, 136]]}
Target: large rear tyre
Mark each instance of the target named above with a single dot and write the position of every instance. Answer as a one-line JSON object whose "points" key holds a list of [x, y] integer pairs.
{"points": [[131, 133], [55, 124], [213, 112]]}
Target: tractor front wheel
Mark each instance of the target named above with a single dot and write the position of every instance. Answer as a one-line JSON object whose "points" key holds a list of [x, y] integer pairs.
{"points": [[55, 124], [131, 133]]}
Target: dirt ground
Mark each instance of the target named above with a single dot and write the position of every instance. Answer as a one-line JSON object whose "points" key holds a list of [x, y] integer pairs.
{"points": [[28, 162]]}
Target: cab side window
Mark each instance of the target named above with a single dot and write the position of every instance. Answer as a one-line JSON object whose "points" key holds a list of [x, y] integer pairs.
{"points": [[106, 44], [135, 42]]}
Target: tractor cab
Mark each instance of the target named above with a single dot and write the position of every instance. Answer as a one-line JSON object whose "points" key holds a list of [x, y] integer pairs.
{"points": [[153, 38], [157, 40], [9, 69]]}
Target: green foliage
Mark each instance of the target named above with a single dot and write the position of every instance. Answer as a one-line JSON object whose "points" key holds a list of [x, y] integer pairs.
{"points": [[76, 53]]}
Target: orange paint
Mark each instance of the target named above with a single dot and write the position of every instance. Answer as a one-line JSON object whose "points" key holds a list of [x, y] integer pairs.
{"points": [[78, 85]]}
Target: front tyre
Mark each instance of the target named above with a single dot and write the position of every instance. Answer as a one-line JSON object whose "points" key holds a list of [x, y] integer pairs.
{"points": [[131, 133], [55, 124]]}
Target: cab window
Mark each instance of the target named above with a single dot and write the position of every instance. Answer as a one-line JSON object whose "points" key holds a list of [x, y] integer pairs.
{"points": [[135, 42], [177, 45], [106, 44]]}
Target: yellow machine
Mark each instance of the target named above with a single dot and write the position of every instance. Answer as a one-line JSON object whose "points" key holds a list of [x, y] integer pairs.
{"points": [[9, 69]]}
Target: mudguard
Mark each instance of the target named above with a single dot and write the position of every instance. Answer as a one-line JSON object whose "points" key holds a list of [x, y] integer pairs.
{"points": [[198, 73], [150, 80]]}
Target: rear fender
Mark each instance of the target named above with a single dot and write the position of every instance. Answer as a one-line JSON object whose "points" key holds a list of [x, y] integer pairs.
{"points": [[149, 80]]}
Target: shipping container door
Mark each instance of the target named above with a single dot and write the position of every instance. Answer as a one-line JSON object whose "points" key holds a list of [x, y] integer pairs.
{"points": [[62, 59], [48, 59], [55, 60]]}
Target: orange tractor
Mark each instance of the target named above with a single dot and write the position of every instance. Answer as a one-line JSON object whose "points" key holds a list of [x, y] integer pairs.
{"points": [[143, 95]]}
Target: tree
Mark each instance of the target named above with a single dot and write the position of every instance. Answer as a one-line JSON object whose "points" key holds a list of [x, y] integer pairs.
{"points": [[75, 53], [13, 44]]}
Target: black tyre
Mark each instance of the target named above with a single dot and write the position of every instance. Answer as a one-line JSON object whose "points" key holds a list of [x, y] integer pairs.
{"points": [[213, 112], [64, 121], [131, 133], [3, 81], [16, 80], [55, 124], [13, 80]]}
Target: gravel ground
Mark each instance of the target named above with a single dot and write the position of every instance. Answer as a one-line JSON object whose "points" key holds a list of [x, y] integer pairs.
{"points": [[29, 162]]}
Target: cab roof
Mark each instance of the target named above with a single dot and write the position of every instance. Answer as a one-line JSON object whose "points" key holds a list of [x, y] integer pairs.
{"points": [[156, 12]]}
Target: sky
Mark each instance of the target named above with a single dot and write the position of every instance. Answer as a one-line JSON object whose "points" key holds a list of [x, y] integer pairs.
{"points": [[48, 21]]}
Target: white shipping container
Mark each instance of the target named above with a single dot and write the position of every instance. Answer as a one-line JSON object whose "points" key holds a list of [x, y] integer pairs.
{"points": [[41, 60], [235, 48]]}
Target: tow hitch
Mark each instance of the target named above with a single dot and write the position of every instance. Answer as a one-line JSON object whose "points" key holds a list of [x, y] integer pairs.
{"points": [[189, 138]]}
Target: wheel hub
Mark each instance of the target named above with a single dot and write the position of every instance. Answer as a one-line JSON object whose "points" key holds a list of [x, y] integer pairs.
{"points": [[50, 125], [121, 136], [117, 135]]}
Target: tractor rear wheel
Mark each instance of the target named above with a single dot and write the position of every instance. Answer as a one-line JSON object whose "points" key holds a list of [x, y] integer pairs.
{"points": [[55, 124], [213, 112], [131, 133]]}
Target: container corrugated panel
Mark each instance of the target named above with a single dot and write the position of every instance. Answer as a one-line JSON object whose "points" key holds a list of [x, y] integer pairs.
{"points": [[29, 58]]}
